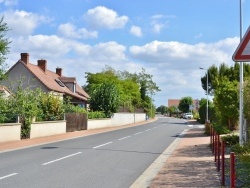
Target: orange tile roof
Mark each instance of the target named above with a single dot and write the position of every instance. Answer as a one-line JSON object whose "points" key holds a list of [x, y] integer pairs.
{"points": [[48, 78]]}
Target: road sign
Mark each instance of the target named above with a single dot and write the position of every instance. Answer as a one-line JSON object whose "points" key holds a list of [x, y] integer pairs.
{"points": [[242, 53]]}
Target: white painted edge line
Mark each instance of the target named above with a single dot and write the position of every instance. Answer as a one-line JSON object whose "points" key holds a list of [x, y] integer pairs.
{"points": [[102, 145], [137, 133], [148, 175], [124, 138], [7, 176], [62, 158]]}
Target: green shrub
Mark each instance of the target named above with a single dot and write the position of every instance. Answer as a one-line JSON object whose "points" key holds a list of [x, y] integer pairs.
{"points": [[51, 107], [231, 140], [96, 115], [220, 129], [69, 108]]}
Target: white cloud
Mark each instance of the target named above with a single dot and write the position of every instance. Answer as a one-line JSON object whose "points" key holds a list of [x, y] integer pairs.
{"points": [[102, 17], [70, 31], [158, 22], [136, 31], [183, 55], [22, 22], [108, 52], [8, 2]]}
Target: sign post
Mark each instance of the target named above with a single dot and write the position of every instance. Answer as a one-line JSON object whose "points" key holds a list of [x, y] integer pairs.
{"points": [[242, 54]]}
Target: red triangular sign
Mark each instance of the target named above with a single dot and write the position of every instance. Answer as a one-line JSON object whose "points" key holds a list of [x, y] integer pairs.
{"points": [[242, 53]]}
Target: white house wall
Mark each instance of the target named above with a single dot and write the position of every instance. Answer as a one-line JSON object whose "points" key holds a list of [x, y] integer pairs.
{"points": [[19, 72]]}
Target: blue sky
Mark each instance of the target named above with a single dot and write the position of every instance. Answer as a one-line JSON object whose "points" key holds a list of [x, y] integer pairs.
{"points": [[170, 39]]}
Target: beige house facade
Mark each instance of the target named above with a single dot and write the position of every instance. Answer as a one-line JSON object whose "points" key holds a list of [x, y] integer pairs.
{"points": [[32, 76]]}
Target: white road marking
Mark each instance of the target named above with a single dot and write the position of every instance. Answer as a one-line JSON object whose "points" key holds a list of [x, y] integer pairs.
{"points": [[137, 133], [7, 176], [190, 126], [154, 127], [124, 138], [102, 145], [62, 158], [148, 130]]}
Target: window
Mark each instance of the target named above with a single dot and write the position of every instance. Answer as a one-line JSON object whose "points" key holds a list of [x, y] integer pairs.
{"points": [[60, 83]]}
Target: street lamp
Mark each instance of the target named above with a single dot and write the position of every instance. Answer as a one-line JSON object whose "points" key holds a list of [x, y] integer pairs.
{"points": [[207, 94]]}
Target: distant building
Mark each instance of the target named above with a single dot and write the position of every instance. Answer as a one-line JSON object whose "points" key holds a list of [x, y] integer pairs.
{"points": [[175, 102]]}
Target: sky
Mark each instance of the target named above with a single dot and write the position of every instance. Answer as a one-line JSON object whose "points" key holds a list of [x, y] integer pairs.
{"points": [[170, 39]]}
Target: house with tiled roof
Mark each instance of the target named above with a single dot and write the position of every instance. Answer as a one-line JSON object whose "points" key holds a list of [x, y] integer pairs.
{"points": [[38, 76]]}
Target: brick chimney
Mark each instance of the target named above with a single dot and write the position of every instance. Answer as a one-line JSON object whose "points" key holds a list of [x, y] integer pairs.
{"points": [[59, 71], [25, 58], [42, 64]]}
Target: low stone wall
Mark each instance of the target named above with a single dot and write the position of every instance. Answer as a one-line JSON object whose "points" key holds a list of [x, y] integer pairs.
{"points": [[47, 128], [99, 123], [10, 132], [118, 119]]}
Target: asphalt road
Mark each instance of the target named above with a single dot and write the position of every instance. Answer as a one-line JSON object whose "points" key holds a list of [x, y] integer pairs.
{"points": [[107, 160]]}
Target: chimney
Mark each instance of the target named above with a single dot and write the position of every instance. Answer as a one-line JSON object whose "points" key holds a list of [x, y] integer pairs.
{"points": [[25, 58], [42, 64], [59, 71]]}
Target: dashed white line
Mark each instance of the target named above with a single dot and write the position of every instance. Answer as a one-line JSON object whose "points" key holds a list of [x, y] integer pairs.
{"points": [[154, 127], [148, 130], [137, 133], [102, 145], [7, 176], [124, 138], [62, 158]]}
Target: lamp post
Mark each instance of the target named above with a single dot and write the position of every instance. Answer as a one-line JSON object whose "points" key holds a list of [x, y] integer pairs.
{"points": [[207, 95]]}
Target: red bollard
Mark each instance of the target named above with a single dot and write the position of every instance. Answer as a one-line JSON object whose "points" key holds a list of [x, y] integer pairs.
{"points": [[215, 148], [232, 170], [222, 163], [210, 134], [213, 141], [218, 153]]}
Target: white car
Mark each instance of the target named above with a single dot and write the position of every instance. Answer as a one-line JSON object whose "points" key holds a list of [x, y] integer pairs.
{"points": [[188, 116]]}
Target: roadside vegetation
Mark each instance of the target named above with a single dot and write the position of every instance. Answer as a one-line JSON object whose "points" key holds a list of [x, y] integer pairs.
{"points": [[113, 91]]}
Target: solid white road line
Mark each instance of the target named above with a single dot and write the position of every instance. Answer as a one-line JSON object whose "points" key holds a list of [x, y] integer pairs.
{"points": [[102, 145], [124, 138], [7, 176], [137, 133], [62, 158]]}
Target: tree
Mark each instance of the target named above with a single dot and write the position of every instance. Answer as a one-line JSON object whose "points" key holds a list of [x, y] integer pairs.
{"points": [[162, 109], [226, 101], [172, 110], [184, 104], [4, 48], [135, 90], [105, 98]]}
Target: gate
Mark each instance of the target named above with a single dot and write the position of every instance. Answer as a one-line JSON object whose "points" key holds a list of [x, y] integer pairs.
{"points": [[76, 122]]}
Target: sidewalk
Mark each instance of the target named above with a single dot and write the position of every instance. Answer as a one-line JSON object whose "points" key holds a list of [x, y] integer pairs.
{"points": [[190, 165]]}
